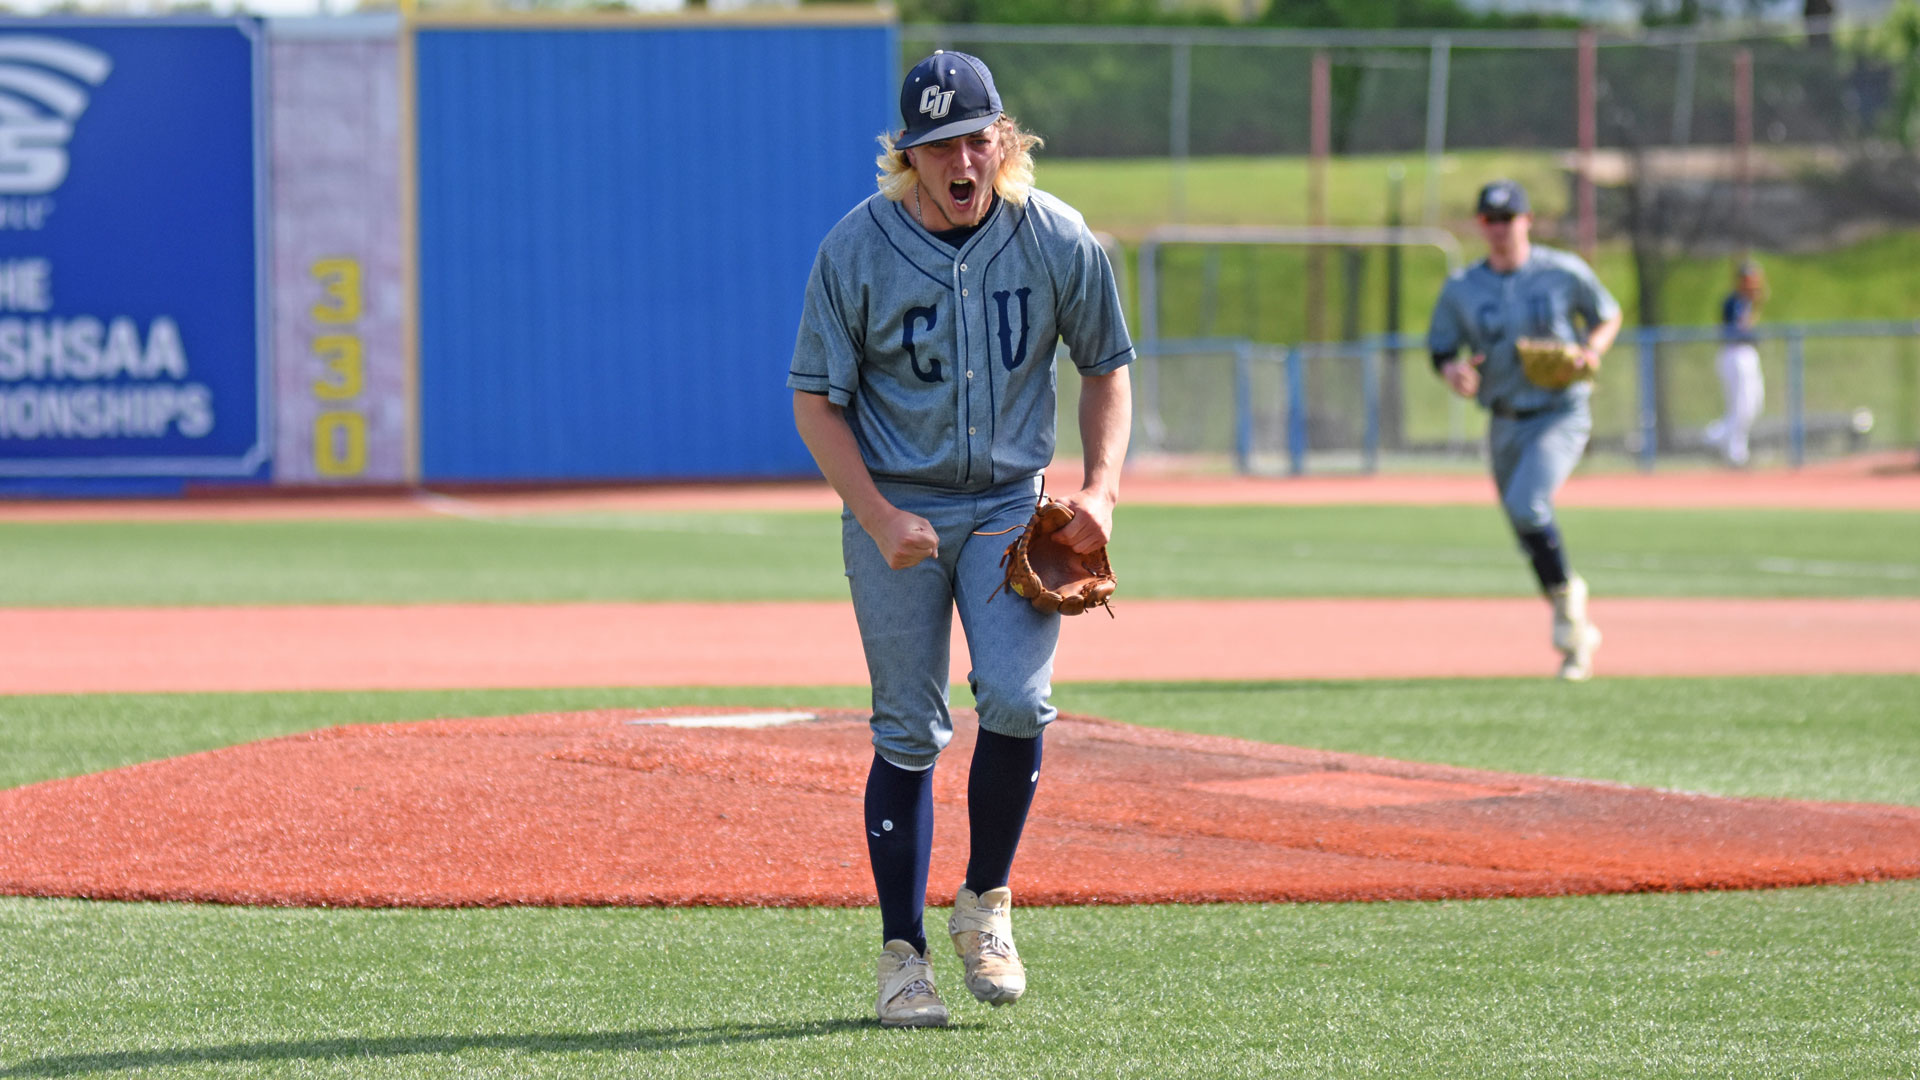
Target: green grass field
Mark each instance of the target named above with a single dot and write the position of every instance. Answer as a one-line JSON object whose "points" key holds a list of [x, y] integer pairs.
{"points": [[1249, 551], [1793, 983]]}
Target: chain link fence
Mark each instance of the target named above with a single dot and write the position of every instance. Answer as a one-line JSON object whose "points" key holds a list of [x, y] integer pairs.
{"points": [[1672, 116], [1135, 92]]}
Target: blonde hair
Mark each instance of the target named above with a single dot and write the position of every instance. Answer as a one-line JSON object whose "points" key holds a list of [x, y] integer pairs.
{"points": [[898, 176]]}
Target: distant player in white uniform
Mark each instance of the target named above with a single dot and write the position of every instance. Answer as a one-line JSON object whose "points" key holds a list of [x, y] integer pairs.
{"points": [[1537, 434], [1738, 365], [924, 385]]}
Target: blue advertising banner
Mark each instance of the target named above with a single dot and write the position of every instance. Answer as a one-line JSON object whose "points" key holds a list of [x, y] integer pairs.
{"points": [[131, 183]]}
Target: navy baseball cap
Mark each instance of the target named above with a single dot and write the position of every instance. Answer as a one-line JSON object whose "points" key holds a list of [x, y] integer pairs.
{"points": [[1501, 197], [947, 94]]}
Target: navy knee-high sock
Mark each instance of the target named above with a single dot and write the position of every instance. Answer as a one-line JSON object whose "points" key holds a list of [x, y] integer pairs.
{"points": [[1548, 557], [1006, 771], [899, 844]]}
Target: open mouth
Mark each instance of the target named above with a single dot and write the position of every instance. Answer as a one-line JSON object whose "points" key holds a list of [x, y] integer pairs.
{"points": [[961, 192]]}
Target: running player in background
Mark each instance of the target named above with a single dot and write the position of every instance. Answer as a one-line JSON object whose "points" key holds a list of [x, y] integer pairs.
{"points": [[1739, 364], [923, 380], [1536, 435]]}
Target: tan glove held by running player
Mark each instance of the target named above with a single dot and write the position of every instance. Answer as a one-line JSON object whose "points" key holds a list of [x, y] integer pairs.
{"points": [[1552, 365]]}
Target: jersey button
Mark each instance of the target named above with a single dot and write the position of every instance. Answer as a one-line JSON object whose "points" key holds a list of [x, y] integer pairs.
{"points": [[963, 292], [963, 268], [969, 431], [969, 374]]}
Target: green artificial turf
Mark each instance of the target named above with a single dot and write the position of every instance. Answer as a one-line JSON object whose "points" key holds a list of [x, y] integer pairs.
{"points": [[1159, 551], [1803, 983], [1837, 737], [1468, 551]]}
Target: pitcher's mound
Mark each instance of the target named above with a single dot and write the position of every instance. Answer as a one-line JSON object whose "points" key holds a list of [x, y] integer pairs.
{"points": [[759, 807]]}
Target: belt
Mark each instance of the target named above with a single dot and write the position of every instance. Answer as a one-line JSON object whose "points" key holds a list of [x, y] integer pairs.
{"points": [[1506, 412]]}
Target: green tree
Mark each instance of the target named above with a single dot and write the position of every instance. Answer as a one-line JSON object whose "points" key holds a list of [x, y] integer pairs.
{"points": [[1896, 42]]}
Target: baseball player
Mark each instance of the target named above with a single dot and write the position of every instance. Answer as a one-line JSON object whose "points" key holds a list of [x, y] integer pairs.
{"points": [[1536, 435], [1739, 364], [924, 386]]}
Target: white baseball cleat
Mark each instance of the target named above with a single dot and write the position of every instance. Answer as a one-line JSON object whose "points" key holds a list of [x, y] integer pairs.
{"points": [[982, 931], [907, 997], [1573, 633], [1576, 665]]}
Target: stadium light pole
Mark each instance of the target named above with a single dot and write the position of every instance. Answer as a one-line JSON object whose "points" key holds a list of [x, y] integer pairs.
{"points": [[1743, 147], [1588, 67], [1320, 125], [1440, 59]]}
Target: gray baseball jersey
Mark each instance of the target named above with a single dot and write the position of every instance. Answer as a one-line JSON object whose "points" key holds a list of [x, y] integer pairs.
{"points": [[1483, 311], [944, 359]]}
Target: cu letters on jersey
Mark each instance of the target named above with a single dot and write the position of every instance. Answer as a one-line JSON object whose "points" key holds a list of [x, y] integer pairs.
{"points": [[1490, 324], [926, 318], [1542, 317], [1009, 306], [1012, 356]]}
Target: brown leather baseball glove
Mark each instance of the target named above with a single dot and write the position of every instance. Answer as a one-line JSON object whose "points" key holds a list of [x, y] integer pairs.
{"points": [[1551, 364], [1049, 574]]}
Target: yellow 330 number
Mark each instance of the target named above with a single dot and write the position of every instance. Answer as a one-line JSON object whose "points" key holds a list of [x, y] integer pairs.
{"points": [[339, 433]]}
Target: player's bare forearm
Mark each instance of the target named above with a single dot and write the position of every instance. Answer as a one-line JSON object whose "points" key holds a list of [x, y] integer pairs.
{"points": [[903, 538], [1106, 425], [823, 427], [1601, 338]]}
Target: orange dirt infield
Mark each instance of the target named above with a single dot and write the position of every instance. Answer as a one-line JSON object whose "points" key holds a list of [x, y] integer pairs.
{"points": [[92, 650], [625, 807]]}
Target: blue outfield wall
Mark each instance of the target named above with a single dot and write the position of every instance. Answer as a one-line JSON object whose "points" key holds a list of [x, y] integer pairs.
{"points": [[615, 231]]}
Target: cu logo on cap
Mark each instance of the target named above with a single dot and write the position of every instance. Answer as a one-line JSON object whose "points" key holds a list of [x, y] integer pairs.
{"points": [[935, 102]]}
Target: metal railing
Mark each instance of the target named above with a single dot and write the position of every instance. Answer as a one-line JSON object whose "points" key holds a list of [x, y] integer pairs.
{"points": [[1285, 367], [1649, 339]]}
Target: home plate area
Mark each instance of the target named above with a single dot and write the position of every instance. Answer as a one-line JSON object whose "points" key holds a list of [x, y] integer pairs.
{"points": [[703, 806]]}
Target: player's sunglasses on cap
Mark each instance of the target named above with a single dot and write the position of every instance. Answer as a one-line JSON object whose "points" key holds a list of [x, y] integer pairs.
{"points": [[1502, 200], [946, 95]]}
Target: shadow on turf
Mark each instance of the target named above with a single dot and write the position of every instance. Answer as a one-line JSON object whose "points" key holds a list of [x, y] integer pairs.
{"points": [[640, 1039]]}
